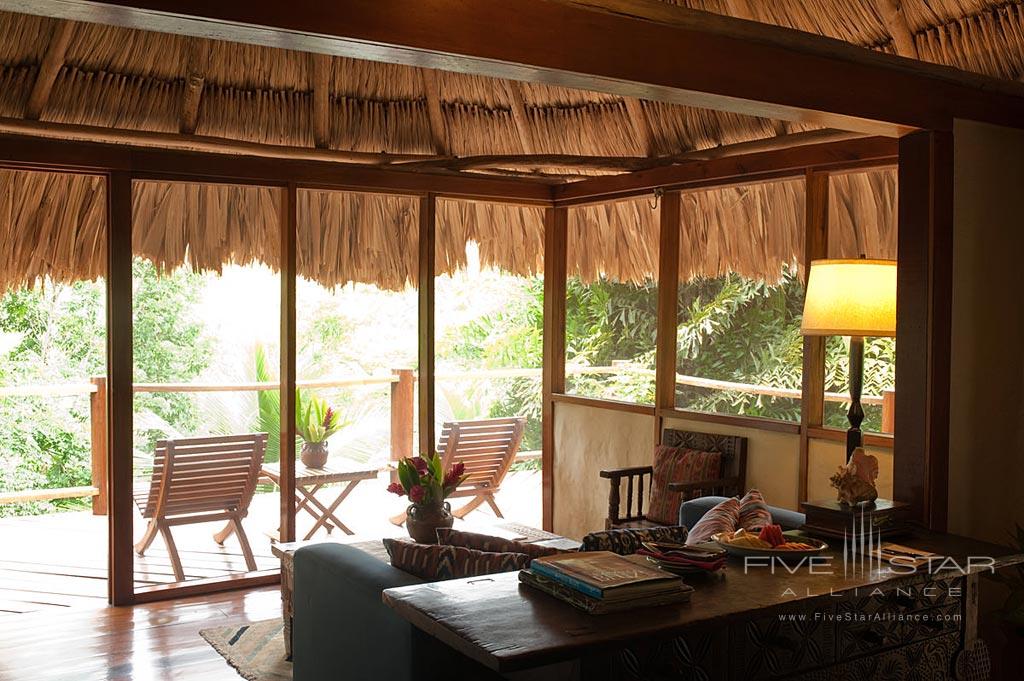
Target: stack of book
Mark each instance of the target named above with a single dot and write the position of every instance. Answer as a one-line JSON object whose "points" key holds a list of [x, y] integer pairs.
{"points": [[600, 582]]}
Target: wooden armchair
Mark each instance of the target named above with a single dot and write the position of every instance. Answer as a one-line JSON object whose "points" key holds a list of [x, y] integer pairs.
{"points": [[731, 480]]}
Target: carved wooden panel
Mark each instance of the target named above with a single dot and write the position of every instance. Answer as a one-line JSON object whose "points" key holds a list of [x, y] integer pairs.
{"points": [[699, 656], [783, 642], [930, 660]]}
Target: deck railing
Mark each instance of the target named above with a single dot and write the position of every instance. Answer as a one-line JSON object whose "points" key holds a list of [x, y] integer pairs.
{"points": [[402, 386]]}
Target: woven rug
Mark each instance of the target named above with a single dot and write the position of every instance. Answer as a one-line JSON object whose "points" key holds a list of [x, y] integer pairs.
{"points": [[256, 650]]}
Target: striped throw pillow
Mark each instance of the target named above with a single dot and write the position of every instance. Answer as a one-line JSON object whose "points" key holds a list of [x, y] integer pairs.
{"points": [[673, 464], [438, 562], [725, 517], [485, 542], [754, 513]]}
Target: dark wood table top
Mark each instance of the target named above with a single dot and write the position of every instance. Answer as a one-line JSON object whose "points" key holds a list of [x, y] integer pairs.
{"points": [[505, 626]]}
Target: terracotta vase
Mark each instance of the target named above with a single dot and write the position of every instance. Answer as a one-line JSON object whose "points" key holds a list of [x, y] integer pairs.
{"points": [[314, 454], [422, 521]]}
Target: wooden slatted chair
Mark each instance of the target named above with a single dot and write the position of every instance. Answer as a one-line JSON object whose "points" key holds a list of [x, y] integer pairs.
{"points": [[200, 480], [730, 481], [487, 447]]}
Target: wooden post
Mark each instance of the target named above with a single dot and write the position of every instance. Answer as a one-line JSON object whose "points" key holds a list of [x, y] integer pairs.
{"points": [[924, 295], [668, 308], [812, 394], [98, 440], [888, 411], [403, 410], [556, 234], [427, 225], [287, 226], [120, 519]]}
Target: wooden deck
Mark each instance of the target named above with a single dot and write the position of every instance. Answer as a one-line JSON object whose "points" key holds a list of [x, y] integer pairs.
{"points": [[59, 561]]}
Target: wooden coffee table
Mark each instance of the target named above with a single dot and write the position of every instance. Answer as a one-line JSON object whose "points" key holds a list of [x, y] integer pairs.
{"points": [[375, 548], [308, 481]]}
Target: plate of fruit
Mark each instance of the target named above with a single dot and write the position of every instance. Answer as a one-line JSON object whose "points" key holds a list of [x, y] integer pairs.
{"points": [[769, 541]]}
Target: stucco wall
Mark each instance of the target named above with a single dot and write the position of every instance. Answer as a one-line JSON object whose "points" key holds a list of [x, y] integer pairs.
{"points": [[986, 464], [587, 440], [824, 458]]}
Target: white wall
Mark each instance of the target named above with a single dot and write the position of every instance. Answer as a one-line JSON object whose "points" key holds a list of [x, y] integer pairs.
{"points": [[986, 463]]}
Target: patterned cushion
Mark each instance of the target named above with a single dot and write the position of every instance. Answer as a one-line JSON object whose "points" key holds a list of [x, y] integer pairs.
{"points": [[485, 542], [673, 464], [437, 562], [754, 513], [627, 541], [725, 517]]}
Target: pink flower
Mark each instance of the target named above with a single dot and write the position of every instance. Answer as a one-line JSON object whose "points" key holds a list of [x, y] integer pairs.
{"points": [[454, 473], [328, 417], [417, 493], [420, 464], [396, 488]]}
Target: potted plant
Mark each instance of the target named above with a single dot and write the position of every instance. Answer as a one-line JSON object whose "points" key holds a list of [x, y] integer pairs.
{"points": [[314, 423], [427, 485]]}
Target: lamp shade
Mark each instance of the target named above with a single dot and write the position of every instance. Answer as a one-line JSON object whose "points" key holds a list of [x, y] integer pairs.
{"points": [[850, 298]]}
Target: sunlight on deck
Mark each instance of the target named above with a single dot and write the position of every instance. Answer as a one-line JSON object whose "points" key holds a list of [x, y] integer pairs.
{"points": [[58, 561]]}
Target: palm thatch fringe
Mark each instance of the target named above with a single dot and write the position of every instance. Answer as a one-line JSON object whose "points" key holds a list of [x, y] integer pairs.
{"points": [[54, 225]]}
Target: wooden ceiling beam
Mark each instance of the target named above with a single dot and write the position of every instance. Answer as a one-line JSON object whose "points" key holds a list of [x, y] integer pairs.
{"points": [[49, 68], [733, 169], [61, 155], [195, 81], [435, 114], [320, 68], [520, 117], [762, 70], [628, 163], [896, 24]]}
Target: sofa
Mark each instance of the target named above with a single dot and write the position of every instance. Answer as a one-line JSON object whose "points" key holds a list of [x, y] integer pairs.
{"points": [[342, 631]]}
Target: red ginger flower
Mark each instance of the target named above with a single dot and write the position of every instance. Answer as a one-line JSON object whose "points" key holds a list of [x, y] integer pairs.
{"points": [[417, 493], [396, 488], [454, 473], [328, 417], [420, 464]]}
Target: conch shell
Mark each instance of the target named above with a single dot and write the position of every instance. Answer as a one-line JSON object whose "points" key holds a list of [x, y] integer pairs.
{"points": [[855, 482]]}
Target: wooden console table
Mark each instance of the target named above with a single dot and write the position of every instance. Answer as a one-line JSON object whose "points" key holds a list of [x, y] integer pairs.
{"points": [[879, 624]]}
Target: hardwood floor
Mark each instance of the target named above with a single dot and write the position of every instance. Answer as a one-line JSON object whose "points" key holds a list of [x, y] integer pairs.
{"points": [[153, 642]]}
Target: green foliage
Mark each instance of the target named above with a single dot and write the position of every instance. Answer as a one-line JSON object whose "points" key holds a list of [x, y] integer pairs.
{"points": [[314, 420], [268, 403], [169, 347], [742, 331], [56, 334]]}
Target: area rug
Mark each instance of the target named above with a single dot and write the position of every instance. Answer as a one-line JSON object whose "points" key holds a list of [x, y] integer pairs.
{"points": [[256, 650]]}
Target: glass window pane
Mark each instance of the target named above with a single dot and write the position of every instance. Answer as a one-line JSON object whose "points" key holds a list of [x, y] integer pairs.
{"points": [[489, 323], [739, 349], [862, 221], [612, 301]]}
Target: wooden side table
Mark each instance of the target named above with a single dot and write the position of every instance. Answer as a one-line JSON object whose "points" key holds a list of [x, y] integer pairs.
{"points": [[308, 481]]}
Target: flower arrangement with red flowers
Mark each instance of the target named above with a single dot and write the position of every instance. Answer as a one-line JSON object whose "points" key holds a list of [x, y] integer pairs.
{"points": [[425, 482]]}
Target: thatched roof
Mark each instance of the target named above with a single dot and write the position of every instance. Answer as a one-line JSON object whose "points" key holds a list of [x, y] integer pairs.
{"points": [[133, 80], [54, 223]]}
